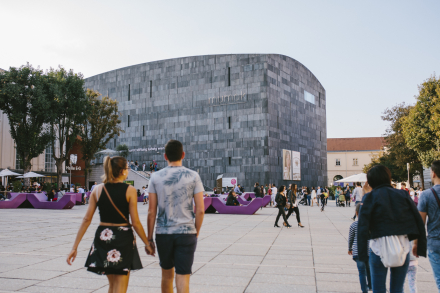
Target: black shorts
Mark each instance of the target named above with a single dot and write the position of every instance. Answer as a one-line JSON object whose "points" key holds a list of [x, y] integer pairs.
{"points": [[176, 250]]}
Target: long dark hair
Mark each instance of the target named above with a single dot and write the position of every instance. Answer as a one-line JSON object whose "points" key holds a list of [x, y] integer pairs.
{"points": [[282, 187], [293, 188]]}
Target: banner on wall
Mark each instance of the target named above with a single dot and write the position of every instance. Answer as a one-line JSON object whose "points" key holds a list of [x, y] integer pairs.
{"points": [[229, 182], [287, 165], [296, 166]]}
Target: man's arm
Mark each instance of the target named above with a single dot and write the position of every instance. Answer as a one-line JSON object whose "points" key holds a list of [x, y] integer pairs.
{"points": [[200, 211], [151, 218]]}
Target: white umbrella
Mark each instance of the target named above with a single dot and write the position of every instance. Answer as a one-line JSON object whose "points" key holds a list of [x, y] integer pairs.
{"points": [[31, 175], [7, 172], [107, 152], [362, 177]]}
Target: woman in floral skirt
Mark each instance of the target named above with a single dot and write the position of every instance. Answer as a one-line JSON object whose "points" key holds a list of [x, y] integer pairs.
{"points": [[114, 252]]}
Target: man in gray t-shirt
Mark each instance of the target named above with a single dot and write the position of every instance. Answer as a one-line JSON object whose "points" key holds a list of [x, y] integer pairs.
{"points": [[429, 207], [173, 191]]}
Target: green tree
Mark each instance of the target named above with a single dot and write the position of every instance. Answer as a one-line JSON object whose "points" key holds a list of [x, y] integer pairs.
{"points": [[397, 149], [123, 150], [398, 174], [421, 128], [68, 112], [25, 99], [102, 124]]}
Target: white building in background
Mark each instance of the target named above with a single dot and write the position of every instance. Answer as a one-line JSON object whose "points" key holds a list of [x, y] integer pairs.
{"points": [[348, 156]]}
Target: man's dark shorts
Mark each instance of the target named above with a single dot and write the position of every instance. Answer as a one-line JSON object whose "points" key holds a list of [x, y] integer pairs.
{"points": [[176, 250]]}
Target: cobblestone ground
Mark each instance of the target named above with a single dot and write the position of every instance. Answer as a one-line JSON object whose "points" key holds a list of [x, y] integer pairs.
{"points": [[234, 254]]}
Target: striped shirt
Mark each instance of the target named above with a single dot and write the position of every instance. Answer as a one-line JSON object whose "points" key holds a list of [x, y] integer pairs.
{"points": [[352, 239]]}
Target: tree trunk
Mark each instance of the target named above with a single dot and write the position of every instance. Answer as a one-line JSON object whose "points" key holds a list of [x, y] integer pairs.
{"points": [[26, 168], [59, 164], [86, 173]]}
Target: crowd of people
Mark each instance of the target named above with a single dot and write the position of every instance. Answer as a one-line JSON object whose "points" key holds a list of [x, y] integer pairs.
{"points": [[136, 167], [390, 233]]}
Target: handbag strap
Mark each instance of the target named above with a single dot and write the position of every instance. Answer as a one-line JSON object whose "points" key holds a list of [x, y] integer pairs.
{"points": [[436, 196], [116, 208]]}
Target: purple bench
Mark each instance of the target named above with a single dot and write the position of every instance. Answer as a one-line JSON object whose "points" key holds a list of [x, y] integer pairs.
{"points": [[220, 206], [15, 202], [39, 201], [78, 197]]}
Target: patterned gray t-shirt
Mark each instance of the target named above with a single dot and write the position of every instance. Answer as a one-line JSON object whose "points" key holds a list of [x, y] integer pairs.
{"points": [[175, 188]]}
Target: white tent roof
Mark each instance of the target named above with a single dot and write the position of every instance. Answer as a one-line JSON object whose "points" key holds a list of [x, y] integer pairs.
{"points": [[362, 177], [31, 175], [107, 152], [7, 172]]}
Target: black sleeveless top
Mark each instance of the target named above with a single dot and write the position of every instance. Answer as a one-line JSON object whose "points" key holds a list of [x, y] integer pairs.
{"points": [[107, 212]]}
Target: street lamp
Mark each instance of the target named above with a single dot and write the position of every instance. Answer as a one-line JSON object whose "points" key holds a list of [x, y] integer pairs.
{"points": [[73, 159]]}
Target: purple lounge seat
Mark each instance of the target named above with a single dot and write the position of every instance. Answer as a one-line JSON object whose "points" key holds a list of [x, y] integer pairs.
{"points": [[39, 201], [246, 195], [250, 209], [242, 200], [17, 200]]}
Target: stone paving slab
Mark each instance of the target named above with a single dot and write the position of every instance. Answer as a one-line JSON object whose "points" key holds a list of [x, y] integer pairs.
{"points": [[235, 253]]}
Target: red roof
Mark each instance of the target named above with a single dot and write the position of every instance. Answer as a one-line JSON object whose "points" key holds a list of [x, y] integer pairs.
{"points": [[355, 144]]}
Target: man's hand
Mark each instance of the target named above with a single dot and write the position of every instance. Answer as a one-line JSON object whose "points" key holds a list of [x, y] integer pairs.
{"points": [[350, 252]]}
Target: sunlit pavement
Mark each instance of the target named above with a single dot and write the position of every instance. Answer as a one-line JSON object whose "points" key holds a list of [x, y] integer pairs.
{"points": [[235, 253]]}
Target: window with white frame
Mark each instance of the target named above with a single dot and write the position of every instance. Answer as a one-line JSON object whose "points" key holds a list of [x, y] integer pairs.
{"points": [[355, 162], [309, 97], [338, 162], [49, 161]]}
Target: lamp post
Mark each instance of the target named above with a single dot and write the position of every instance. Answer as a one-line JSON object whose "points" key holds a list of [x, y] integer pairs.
{"points": [[407, 167]]}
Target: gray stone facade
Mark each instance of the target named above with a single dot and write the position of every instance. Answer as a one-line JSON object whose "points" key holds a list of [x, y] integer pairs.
{"points": [[233, 113]]}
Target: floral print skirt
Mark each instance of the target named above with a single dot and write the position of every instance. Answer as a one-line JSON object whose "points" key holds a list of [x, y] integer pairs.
{"points": [[113, 251]]}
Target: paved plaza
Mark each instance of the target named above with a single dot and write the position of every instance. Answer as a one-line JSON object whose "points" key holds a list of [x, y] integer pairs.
{"points": [[235, 253]]}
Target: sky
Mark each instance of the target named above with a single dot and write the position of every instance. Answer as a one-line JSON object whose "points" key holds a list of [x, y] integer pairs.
{"points": [[368, 55]]}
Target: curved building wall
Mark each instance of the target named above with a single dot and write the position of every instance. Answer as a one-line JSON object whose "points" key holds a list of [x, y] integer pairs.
{"points": [[233, 113]]}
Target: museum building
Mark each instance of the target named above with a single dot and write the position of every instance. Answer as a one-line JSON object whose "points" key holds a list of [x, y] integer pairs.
{"points": [[234, 114]]}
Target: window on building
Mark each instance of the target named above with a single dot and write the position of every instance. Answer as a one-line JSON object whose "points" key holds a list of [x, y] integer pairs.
{"points": [[151, 88], [309, 97], [114, 143], [338, 162], [128, 120], [49, 161], [355, 162], [143, 130], [230, 160], [17, 161], [229, 122], [229, 76], [129, 92], [319, 100]]}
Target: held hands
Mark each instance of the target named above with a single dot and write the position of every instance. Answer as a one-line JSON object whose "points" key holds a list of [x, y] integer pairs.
{"points": [[414, 250], [350, 252], [150, 248], [71, 257]]}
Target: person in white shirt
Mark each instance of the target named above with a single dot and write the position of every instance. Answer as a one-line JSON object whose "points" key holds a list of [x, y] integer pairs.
{"points": [[314, 196], [143, 167], [80, 190], [358, 193], [274, 193], [145, 194], [93, 186], [318, 194]]}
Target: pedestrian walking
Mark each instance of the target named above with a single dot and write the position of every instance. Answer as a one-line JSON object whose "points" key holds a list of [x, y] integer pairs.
{"points": [[274, 194], [313, 196], [358, 193], [145, 194], [429, 206], [347, 194], [143, 167], [173, 191], [390, 227], [281, 201], [322, 201], [292, 198], [308, 195], [318, 194], [337, 194], [114, 252], [363, 267]]}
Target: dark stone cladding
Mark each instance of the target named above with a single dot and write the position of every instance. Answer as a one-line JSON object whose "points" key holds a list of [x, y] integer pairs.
{"points": [[192, 99]]}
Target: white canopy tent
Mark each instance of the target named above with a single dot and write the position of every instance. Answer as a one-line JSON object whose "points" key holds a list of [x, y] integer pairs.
{"points": [[362, 177], [6, 173], [31, 175], [107, 152]]}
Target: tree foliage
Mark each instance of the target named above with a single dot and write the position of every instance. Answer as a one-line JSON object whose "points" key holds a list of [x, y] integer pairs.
{"points": [[101, 125], [123, 150], [69, 110], [25, 99], [388, 159], [421, 128]]}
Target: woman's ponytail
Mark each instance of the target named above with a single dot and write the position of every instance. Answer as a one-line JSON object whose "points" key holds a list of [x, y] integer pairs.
{"points": [[112, 168]]}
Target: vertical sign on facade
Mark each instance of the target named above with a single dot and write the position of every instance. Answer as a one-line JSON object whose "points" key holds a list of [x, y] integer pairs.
{"points": [[287, 165], [296, 166]]}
